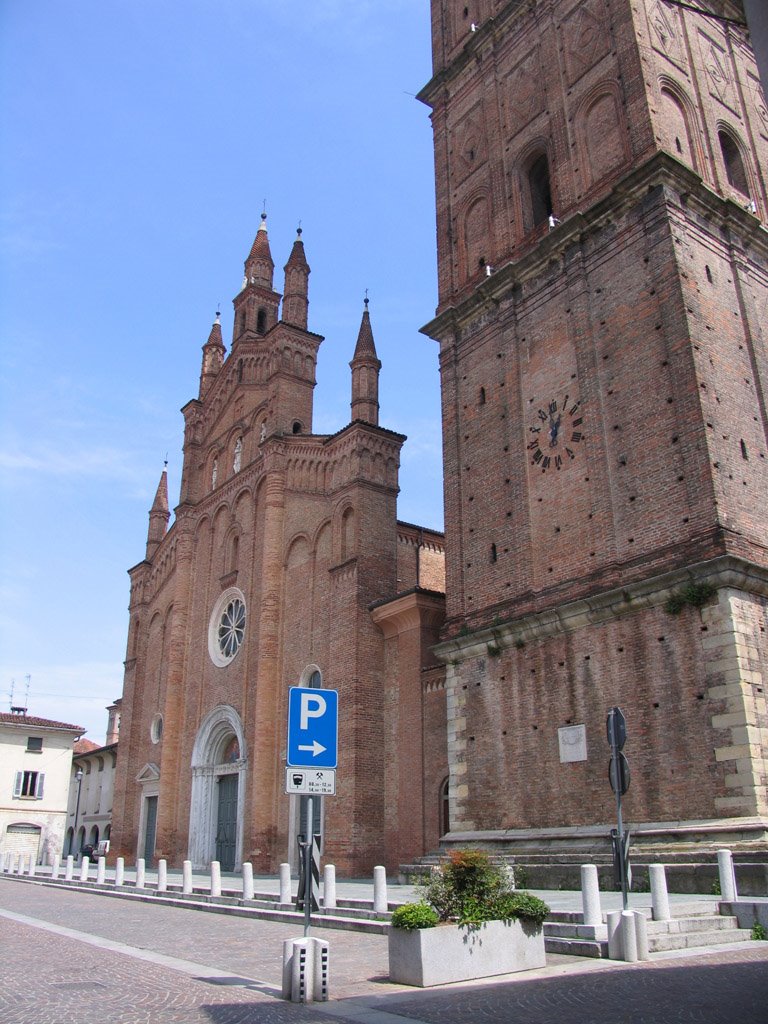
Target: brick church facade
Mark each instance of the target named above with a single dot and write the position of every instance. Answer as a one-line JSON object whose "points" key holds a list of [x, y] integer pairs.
{"points": [[603, 330], [285, 566], [603, 299]]}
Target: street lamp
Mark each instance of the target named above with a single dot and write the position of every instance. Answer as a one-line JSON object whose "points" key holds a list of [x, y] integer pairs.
{"points": [[79, 780]]}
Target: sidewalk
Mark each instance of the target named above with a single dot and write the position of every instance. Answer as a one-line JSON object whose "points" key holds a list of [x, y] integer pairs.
{"points": [[362, 889], [74, 955]]}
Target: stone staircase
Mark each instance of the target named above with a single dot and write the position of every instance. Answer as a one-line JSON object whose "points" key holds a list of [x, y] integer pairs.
{"points": [[692, 926], [541, 867]]}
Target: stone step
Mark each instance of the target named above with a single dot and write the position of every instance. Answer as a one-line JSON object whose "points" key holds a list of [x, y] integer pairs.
{"points": [[697, 939], [576, 947], [691, 925]]}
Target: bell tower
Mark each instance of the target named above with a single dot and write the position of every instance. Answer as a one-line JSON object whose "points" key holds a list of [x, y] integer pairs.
{"points": [[603, 286]]}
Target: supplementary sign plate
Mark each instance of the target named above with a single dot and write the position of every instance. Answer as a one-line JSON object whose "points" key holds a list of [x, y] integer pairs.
{"points": [[311, 781]]}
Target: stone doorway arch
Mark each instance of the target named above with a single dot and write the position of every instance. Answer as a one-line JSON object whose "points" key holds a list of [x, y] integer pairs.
{"points": [[219, 754]]}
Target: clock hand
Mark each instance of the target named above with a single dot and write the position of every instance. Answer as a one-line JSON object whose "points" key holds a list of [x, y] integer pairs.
{"points": [[554, 427]]}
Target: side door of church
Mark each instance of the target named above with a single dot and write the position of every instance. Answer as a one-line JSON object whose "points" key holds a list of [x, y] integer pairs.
{"points": [[226, 824]]}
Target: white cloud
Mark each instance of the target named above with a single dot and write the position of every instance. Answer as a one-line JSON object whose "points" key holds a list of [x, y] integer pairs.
{"points": [[104, 462]]}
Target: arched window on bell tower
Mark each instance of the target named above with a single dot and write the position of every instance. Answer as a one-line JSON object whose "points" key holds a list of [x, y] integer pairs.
{"points": [[539, 189], [261, 321], [734, 165]]}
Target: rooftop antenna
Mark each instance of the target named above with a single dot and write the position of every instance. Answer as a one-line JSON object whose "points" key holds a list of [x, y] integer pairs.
{"points": [[19, 709]]}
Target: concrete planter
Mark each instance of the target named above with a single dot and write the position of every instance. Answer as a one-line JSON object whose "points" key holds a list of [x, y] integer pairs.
{"points": [[449, 952]]}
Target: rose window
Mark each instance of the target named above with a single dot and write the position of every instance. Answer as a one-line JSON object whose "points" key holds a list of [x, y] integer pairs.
{"points": [[226, 629]]}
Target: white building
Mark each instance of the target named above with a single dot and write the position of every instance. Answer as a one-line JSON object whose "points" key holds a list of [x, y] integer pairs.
{"points": [[92, 783], [35, 769]]}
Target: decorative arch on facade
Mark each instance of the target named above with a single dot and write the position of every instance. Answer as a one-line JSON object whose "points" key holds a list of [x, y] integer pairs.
{"points": [[212, 758], [346, 531], [679, 124], [323, 543], [601, 132], [475, 234], [299, 551]]}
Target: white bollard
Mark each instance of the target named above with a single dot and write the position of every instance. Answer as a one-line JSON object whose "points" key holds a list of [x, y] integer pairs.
{"points": [[101, 870], [659, 894], [287, 980], [141, 872], [628, 931], [614, 935], [247, 880], [329, 887], [186, 878], [120, 871], [285, 883], [56, 867], [31, 866], [215, 879], [84, 863], [302, 971], [3, 861], [320, 969], [641, 935], [590, 896], [69, 869], [380, 901], [162, 875], [728, 891]]}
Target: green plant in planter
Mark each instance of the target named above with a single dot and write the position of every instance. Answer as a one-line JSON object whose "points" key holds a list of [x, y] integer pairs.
{"points": [[414, 915], [759, 934], [469, 889]]}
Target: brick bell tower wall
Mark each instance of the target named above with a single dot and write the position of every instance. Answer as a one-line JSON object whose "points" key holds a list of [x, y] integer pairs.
{"points": [[603, 287]]}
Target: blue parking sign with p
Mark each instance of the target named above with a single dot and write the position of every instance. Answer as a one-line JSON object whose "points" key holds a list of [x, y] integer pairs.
{"points": [[313, 721]]}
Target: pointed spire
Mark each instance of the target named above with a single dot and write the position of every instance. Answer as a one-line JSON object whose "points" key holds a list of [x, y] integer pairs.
{"points": [[365, 367], [159, 514], [296, 289], [259, 266], [213, 356], [365, 344]]}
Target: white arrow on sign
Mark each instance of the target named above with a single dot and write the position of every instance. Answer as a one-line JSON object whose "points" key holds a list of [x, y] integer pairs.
{"points": [[315, 747]]}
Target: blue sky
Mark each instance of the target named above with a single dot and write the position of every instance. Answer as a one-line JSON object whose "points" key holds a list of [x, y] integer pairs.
{"points": [[140, 139]]}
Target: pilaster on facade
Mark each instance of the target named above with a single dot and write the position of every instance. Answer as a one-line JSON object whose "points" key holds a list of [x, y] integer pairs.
{"points": [[458, 793], [736, 678]]}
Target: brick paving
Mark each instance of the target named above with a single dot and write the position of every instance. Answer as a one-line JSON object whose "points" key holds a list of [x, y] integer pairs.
{"points": [[145, 963]]}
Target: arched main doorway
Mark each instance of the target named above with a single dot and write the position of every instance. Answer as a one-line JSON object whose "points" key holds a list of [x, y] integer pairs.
{"points": [[219, 761]]}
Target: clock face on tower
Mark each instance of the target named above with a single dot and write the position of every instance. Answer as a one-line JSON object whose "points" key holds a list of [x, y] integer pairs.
{"points": [[556, 433]]}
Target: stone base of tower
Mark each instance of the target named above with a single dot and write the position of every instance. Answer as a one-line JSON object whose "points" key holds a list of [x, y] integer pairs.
{"points": [[526, 707], [552, 858]]}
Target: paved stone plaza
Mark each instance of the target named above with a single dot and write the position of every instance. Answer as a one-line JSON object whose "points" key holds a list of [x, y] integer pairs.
{"points": [[74, 956]]}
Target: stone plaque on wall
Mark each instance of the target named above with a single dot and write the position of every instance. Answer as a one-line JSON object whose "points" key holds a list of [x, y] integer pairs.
{"points": [[573, 743]]}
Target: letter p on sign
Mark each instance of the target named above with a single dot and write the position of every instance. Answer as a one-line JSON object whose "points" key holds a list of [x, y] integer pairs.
{"points": [[312, 706]]}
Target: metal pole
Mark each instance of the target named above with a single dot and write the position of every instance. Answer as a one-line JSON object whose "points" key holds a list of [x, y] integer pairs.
{"points": [[615, 753], [308, 869], [79, 778]]}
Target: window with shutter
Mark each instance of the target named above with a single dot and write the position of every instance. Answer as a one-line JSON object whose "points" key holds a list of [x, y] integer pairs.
{"points": [[17, 784]]}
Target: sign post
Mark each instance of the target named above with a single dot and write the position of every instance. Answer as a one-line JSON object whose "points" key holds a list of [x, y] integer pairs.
{"points": [[618, 775], [312, 755]]}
